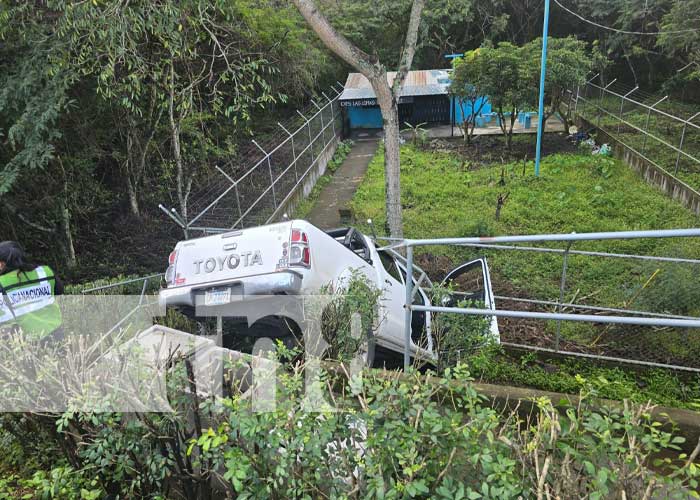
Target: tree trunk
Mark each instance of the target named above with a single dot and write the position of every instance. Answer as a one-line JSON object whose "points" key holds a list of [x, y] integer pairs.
{"points": [[513, 116], [130, 170], [566, 118], [387, 97], [133, 199], [66, 237], [177, 149], [392, 151]]}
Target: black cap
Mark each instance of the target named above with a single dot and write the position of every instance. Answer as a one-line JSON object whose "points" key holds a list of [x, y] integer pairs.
{"points": [[12, 254]]}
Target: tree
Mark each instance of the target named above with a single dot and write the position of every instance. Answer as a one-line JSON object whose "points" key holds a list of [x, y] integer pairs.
{"points": [[469, 87], [172, 58], [568, 63], [38, 162], [387, 92], [681, 40], [505, 81]]}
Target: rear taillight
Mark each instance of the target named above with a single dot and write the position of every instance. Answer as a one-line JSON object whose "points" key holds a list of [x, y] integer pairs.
{"points": [[171, 277], [299, 250]]}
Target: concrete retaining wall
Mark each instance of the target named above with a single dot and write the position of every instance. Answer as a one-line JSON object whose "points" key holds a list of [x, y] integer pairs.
{"points": [[652, 174], [687, 422]]}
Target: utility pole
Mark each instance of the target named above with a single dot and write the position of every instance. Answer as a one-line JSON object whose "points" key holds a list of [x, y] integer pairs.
{"points": [[543, 71]]}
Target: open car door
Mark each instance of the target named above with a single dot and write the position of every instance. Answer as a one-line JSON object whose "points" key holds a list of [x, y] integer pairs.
{"points": [[472, 282]]}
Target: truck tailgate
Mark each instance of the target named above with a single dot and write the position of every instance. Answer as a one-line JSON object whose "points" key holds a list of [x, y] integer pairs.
{"points": [[232, 255]]}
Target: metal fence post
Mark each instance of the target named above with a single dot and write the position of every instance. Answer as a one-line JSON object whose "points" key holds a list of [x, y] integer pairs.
{"points": [[269, 166], [585, 98], [308, 126], [646, 131], [330, 103], [622, 104], [408, 315], [680, 146], [600, 103], [619, 119], [646, 126], [323, 125], [294, 154], [238, 202], [562, 288]]}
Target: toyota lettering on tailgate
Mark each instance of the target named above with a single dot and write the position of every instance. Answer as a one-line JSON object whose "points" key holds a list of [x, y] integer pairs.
{"points": [[230, 261]]}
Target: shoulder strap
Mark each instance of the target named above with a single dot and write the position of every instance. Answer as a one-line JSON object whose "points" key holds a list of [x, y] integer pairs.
{"points": [[28, 282]]}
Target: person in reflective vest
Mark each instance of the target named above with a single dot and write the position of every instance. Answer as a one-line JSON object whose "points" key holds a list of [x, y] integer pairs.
{"points": [[28, 295]]}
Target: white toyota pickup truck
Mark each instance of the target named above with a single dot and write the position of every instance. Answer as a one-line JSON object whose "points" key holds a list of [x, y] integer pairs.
{"points": [[226, 273]]}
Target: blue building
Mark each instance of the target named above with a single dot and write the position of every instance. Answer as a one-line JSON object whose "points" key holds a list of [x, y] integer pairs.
{"points": [[460, 110], [424, 99]]}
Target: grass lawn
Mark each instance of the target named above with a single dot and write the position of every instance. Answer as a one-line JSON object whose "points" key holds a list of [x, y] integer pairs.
{"points": [[442, 197], [581, 193]]}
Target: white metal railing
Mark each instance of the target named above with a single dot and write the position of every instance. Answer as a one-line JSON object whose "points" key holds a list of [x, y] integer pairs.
{"points": [[620, 316]]}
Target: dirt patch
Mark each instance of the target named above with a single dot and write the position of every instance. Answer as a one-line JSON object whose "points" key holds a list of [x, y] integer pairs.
{"points": [[435, 266], [485, 150]]}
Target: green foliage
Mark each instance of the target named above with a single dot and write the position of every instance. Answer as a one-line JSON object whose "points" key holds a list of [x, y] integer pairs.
{"points": [[85, 115], [506, 83], [674, 290], [469, 82], [358, 299], [569, 62], [419, 136], [394, 436], [509, 76], [134, 288], [581, 193], [378, 27], [682, 38], [457, 336]]}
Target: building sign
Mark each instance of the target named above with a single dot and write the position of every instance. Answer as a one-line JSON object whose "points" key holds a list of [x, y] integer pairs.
{"points": [[363, 103]]}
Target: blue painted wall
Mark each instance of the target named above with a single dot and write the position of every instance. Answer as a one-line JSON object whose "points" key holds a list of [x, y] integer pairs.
{"points": [[459, 115], [365, 117]]}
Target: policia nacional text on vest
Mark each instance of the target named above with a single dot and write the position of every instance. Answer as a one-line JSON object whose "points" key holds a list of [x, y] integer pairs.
{"points": [[29, 302]]}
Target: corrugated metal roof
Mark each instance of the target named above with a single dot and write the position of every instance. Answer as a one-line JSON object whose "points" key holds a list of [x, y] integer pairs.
{"points": [[418, 83]]}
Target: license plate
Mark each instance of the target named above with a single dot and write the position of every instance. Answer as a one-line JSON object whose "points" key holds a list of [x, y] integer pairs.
{"points": [[217, 297]]}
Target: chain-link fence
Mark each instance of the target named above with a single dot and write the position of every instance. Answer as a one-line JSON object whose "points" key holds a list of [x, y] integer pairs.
{"points": [[251, 191], [626, 296], [664, 131]]}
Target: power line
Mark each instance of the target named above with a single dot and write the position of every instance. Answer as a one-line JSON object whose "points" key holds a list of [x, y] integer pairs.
{"points": [[625, 32]]}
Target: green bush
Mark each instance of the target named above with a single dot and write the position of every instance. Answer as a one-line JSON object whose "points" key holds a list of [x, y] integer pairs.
{"points": [[458, 336], [357, 297], [384, 436]]}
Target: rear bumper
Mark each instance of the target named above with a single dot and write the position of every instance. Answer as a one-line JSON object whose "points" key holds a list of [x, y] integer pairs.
{"points": [[280, 283]]}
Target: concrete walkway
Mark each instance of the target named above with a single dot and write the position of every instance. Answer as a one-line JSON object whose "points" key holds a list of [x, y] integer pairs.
{"points": [[336, 196]]}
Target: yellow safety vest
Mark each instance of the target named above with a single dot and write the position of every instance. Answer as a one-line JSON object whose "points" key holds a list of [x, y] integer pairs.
{"points": [[28, 300]]}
